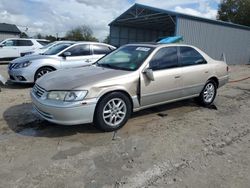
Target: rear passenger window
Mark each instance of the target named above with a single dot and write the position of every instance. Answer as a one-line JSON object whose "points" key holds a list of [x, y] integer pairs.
{"points": [[165, 58], [101, 49], [24, 43], [80, 50], [189, 56]]}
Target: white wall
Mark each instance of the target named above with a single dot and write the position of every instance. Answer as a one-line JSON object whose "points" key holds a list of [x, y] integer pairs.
{"points": [[7, 35]]}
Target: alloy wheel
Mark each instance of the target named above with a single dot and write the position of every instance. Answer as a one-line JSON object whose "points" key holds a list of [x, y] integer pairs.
{"points": [[114, 112]]}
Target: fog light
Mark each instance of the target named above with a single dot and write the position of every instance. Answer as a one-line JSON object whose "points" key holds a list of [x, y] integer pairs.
{"points": [[21, 78]]}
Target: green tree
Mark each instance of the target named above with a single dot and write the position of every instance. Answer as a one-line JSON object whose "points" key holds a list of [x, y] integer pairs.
{"points": [[50, 38], [38, 36], [23, 35], [81, 33], [235, 11], [107, 40]]}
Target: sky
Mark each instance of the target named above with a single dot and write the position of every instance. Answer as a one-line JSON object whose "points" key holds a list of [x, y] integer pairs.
{"points": [[59, 16]]}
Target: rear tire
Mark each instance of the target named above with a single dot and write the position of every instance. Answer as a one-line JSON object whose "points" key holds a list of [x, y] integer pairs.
{"points": [[208, 93], [112, 112], [42, 71]]}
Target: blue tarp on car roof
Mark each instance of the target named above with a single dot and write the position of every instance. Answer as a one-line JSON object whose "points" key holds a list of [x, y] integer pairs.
{"points": [[169, 40]]}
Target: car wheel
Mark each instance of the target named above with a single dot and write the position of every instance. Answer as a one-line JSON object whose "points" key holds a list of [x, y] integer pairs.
{"points": [[42, 71], [208, 93], [112, 112]]}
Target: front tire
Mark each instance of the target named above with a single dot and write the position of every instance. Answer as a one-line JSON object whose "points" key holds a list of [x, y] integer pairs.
{"points": [[112, 112], [208, 93], [42, 71]]}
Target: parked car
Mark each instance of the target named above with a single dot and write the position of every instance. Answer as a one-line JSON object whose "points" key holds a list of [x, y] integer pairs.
{"points": [[42, 49], [28, 69], [12, 48], [132, 78]]}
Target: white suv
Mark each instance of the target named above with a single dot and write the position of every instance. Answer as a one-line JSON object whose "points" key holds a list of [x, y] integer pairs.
{"points": [[12, 48]]}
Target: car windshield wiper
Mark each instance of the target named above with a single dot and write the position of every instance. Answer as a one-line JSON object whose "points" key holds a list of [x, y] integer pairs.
{"points": [[112, 67], [106, 65]]}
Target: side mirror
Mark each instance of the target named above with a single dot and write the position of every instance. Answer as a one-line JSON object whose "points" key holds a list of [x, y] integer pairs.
{"points": [[149, 73], [66, 54], [1, 45]]}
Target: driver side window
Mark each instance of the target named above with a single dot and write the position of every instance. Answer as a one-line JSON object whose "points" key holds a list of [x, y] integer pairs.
{"points": [[165, 58]]}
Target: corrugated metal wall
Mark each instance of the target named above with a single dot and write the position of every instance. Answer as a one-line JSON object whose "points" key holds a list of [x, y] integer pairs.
{"points": [[124, 35], [215, 39]]}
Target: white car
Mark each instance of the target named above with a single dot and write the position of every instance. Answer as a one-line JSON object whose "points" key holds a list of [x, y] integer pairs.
{"points": [[42, 49], [13, 47]]}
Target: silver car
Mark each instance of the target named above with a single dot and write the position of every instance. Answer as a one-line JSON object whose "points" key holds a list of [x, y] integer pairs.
{"points": [[133, 77], [28, 69]]}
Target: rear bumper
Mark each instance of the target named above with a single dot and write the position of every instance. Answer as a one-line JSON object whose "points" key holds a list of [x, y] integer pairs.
{"points": [[223, 80], [81, 113]]}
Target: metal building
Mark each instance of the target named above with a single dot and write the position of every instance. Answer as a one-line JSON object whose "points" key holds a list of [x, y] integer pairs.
{"points": [[142, 23], [9, 31]]}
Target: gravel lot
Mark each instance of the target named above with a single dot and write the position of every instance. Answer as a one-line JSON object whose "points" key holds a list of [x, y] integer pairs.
{"points": [[175, 145]]}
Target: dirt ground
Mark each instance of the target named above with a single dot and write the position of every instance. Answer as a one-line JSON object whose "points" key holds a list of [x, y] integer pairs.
{"points": [[175, 145]]}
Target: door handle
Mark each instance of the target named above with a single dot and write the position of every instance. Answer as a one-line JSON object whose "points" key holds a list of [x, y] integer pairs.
{"points": [[206, 72], [176, 77], [87, 61]]}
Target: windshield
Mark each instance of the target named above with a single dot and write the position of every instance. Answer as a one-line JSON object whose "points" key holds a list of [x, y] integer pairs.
{"points": [[126, 58], [57, 48]]}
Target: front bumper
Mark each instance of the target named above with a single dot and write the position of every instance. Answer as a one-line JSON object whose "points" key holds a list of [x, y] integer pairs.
{"points": [[78, 113], [22, 75]]}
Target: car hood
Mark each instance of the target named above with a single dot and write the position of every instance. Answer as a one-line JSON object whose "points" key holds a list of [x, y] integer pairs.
{"points": [[31, 58], [77, 78]]}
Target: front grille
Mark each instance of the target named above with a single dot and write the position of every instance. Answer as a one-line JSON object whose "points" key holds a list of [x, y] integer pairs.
{"points": [[38, 91]]}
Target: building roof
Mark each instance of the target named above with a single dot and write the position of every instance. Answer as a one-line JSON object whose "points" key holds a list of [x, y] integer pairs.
{"points": [[9, 28], [138, 13]]}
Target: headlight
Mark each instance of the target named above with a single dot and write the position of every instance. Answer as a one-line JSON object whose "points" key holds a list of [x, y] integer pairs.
{"points": [[68, 96], [22, 65]]}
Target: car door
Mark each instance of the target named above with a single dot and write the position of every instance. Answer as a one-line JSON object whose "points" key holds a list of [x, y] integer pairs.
{"points": [[99, 51], [9, 49], [79, 55], [167, 78], [195, 70]]}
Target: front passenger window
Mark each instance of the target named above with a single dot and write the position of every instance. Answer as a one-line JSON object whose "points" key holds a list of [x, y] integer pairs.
{"points": [[165, 58]]}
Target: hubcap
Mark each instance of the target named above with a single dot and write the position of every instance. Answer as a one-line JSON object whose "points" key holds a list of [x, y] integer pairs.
{"points": [[114, 112], [43, 72], [208, 93]]}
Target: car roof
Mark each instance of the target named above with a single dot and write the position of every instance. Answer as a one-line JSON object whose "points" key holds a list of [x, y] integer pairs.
{"points": [[89, 42], [155, 44]]}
